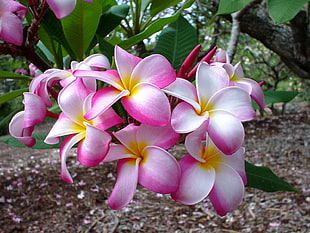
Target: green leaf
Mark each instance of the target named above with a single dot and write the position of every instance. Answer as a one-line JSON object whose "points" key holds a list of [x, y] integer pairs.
{"points": [[12, 95], [106, 48], [52, 30], [9, 140], [279, 96], [154, 27], [160, 5], [230, 6], [111, 19], [282, 11], [264, 179], [272, 97], [81, 25], [9, 75], [176, 41]]}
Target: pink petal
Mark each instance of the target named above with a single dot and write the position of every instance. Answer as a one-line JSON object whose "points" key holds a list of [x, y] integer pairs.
{"points": [[71, 99], [109, 76], [98, 61], [256, 91], [196, 181], [221, 56], [63, 126], [94, 147], [234, 100], [238, 71], [17, 131], [128, 137], [65, 147], [125, 63], [164, 137], [228, 67], [34, 110], [17, 8], [209, 79], [193, 141], [159, 171], [11, 28], [185, 119], [236, 161], [125, 186], [226, 131], [154, 69], [184, 90], [107, 119], [61, 8], [103, 100], [148, 104], [228, 190], [117, 152]]}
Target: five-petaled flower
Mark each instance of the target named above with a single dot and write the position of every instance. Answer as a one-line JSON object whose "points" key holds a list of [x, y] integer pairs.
{"points": [[206, 171], [212, 101], [11, 25], [94, 141], [142, 158], [38, 98], [138, 83], [237, 78]]}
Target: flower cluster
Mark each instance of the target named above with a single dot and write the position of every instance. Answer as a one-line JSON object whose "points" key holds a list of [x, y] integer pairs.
{"points": [[135, 112]]}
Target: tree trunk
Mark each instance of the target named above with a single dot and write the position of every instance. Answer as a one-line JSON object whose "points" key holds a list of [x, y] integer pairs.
{"points": [[291, 42]]}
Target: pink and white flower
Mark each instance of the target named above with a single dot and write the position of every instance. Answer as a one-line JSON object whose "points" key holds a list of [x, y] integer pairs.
{"points": [[138, 83], [142, 159], [237, 78], [11, 21], [63, 8], [206, 171], [212, 101], [38, 98], [93, 141]]}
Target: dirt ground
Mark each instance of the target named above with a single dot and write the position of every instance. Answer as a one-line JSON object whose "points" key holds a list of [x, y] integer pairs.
{"points": [[33, 198]]}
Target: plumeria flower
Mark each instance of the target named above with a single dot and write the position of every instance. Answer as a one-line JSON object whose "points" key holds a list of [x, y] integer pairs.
{"points": [[237, 78], [93, 141], [138, 83], [38, 98], [63, 8], [206, 171], [215, 102], [11, 25], [142, 159]]}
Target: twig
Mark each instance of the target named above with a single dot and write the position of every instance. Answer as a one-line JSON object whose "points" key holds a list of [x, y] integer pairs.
{"points": [[95, 222]]}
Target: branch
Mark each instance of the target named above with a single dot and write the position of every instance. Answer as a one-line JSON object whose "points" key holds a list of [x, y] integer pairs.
{"points": [[235, 29], [28, 53]]}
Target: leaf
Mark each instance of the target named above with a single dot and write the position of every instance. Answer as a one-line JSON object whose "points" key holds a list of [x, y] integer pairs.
{"points": [[9, 140], [264, 179], [9, 75], [230, 6], [272, 97], [279, 96], [106, 48], [81, 25], [12, 95], [282, 11], [154, 27], [160, 5], [111, 19], [52, 30], [176, 41]]}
